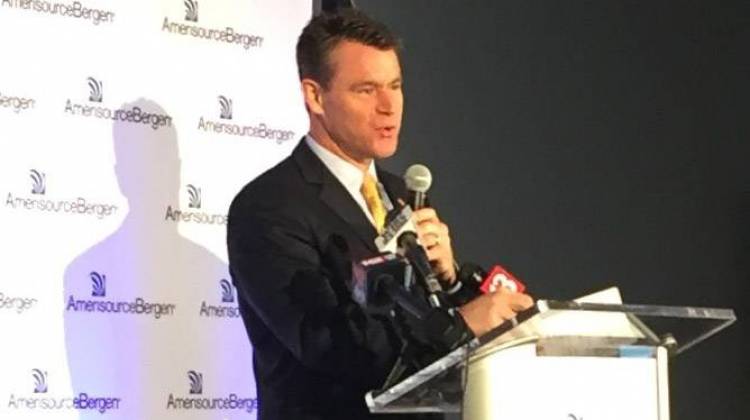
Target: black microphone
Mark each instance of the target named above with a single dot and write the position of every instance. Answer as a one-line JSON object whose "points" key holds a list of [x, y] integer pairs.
{"points": [[471, 275], [418, 180], [415, 253], [488, 281]]}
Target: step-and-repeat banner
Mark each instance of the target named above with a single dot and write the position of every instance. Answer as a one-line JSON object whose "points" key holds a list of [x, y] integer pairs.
{"points": [[126, 128]]}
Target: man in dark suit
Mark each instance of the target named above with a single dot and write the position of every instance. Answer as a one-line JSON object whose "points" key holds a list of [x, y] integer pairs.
{"points": [[294, 232]]}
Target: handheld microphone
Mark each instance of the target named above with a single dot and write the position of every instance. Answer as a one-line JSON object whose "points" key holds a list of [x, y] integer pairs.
{"points": [[417, 256], [418, 180]]}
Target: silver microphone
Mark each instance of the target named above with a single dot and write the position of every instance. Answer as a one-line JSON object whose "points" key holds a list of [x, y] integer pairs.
{"points": [[418, 180]]}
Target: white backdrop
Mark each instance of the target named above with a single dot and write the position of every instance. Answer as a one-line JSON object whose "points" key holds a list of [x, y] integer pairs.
{"points": [[126, 128]]}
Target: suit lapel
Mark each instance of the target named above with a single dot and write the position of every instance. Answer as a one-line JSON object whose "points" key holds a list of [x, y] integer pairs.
{"points": [[334, 195], [394, 187], [340, 202]]}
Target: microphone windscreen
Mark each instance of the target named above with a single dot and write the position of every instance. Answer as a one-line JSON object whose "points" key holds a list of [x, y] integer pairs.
{"points": [[418, 178]]}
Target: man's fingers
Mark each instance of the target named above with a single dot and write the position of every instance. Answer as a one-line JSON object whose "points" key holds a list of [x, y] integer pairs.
{"points": [[433, 253], [432, 234], [488, 311], [512, 300], [436, 255], [520, 302], [506, 312], [425, 214], [430, 241], [430, 229], [437, 252]]}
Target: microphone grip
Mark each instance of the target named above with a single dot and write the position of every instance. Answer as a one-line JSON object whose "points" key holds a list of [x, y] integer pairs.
{"points": [[419, 200], [397, 293], [418, 258], [416, 254]]}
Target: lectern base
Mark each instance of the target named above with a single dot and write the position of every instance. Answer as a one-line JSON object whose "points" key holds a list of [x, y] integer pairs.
{"points": [[519, 383]]}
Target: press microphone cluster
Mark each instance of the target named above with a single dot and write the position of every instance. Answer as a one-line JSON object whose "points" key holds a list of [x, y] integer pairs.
{"points": [[400, 238], [418, 179], [402, 279]]}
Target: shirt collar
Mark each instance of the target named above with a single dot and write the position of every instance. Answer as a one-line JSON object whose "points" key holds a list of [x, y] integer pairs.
{"points": [[348, 174]]}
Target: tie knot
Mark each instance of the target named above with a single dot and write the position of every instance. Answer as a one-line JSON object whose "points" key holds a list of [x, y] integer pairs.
{"points": [[369, 185]]}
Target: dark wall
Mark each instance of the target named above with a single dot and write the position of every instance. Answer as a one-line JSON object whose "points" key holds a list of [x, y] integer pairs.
{"points": [[585, 144]]}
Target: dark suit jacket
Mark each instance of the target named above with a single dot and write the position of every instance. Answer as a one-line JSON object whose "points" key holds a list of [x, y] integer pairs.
{"points": [[292, 235]]}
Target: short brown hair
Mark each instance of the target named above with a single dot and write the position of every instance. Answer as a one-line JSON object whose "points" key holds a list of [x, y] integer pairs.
{"points": [[325, 31]]}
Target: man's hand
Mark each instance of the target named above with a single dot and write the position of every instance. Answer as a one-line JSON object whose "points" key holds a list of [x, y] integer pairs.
{"points": [[488, 311], [435, 238]]}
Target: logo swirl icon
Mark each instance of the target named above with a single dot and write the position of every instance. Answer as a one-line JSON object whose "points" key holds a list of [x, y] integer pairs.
{"points": [[194, 196], [95, 87], [39, 182], [98, 284], [196, 382], [227, 296], [191, 10], [226, 108], [40, 381]]}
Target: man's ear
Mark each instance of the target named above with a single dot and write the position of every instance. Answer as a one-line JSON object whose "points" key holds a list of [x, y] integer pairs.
{"points": [[313, 94]]}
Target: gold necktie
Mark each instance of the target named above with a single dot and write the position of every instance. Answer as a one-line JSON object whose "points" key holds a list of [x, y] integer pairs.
{"points": [[374, 204]]}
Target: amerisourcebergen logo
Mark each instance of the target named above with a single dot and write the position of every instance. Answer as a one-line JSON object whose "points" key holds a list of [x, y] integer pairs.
{"points": [[41, 399], [222, 311], [17, 304], [194, 196], [39, 182], [226, 108], [224, 125], [95, 89], [191, 11], [194, 214], [95, 109], [196, 382], [40, 381], [226, 35], [39, 201], [72, 10], [16, 103], [137, 306], [196, 401]]}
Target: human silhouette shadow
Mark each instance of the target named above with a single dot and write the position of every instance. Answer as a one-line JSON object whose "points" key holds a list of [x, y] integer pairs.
{"points": [[138, 357]]}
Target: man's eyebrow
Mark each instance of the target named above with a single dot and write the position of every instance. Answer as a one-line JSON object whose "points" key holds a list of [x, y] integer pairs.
{"points": [[366, 83], [372, 83]]}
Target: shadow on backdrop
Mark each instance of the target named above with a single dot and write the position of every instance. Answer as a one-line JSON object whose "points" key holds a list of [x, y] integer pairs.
{"points": [[136, 356]]}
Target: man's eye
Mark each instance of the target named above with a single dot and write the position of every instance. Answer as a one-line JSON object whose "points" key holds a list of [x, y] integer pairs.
{"points": [[366, 91]]}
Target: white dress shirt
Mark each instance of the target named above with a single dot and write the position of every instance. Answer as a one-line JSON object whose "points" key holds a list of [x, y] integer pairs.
{"points": [[350, 176]]}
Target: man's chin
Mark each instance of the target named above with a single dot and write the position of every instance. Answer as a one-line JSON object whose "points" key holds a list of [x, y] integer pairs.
{"points": [[386, 148]]}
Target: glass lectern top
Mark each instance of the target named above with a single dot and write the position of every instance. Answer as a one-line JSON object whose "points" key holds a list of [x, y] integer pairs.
{"points": [[597, 325]]}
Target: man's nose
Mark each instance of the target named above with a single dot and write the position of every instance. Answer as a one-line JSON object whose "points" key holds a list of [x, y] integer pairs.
{"points": [[385, 101]]}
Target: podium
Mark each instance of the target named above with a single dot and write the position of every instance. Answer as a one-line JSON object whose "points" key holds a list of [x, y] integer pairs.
{"points": [[593, 358]]}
